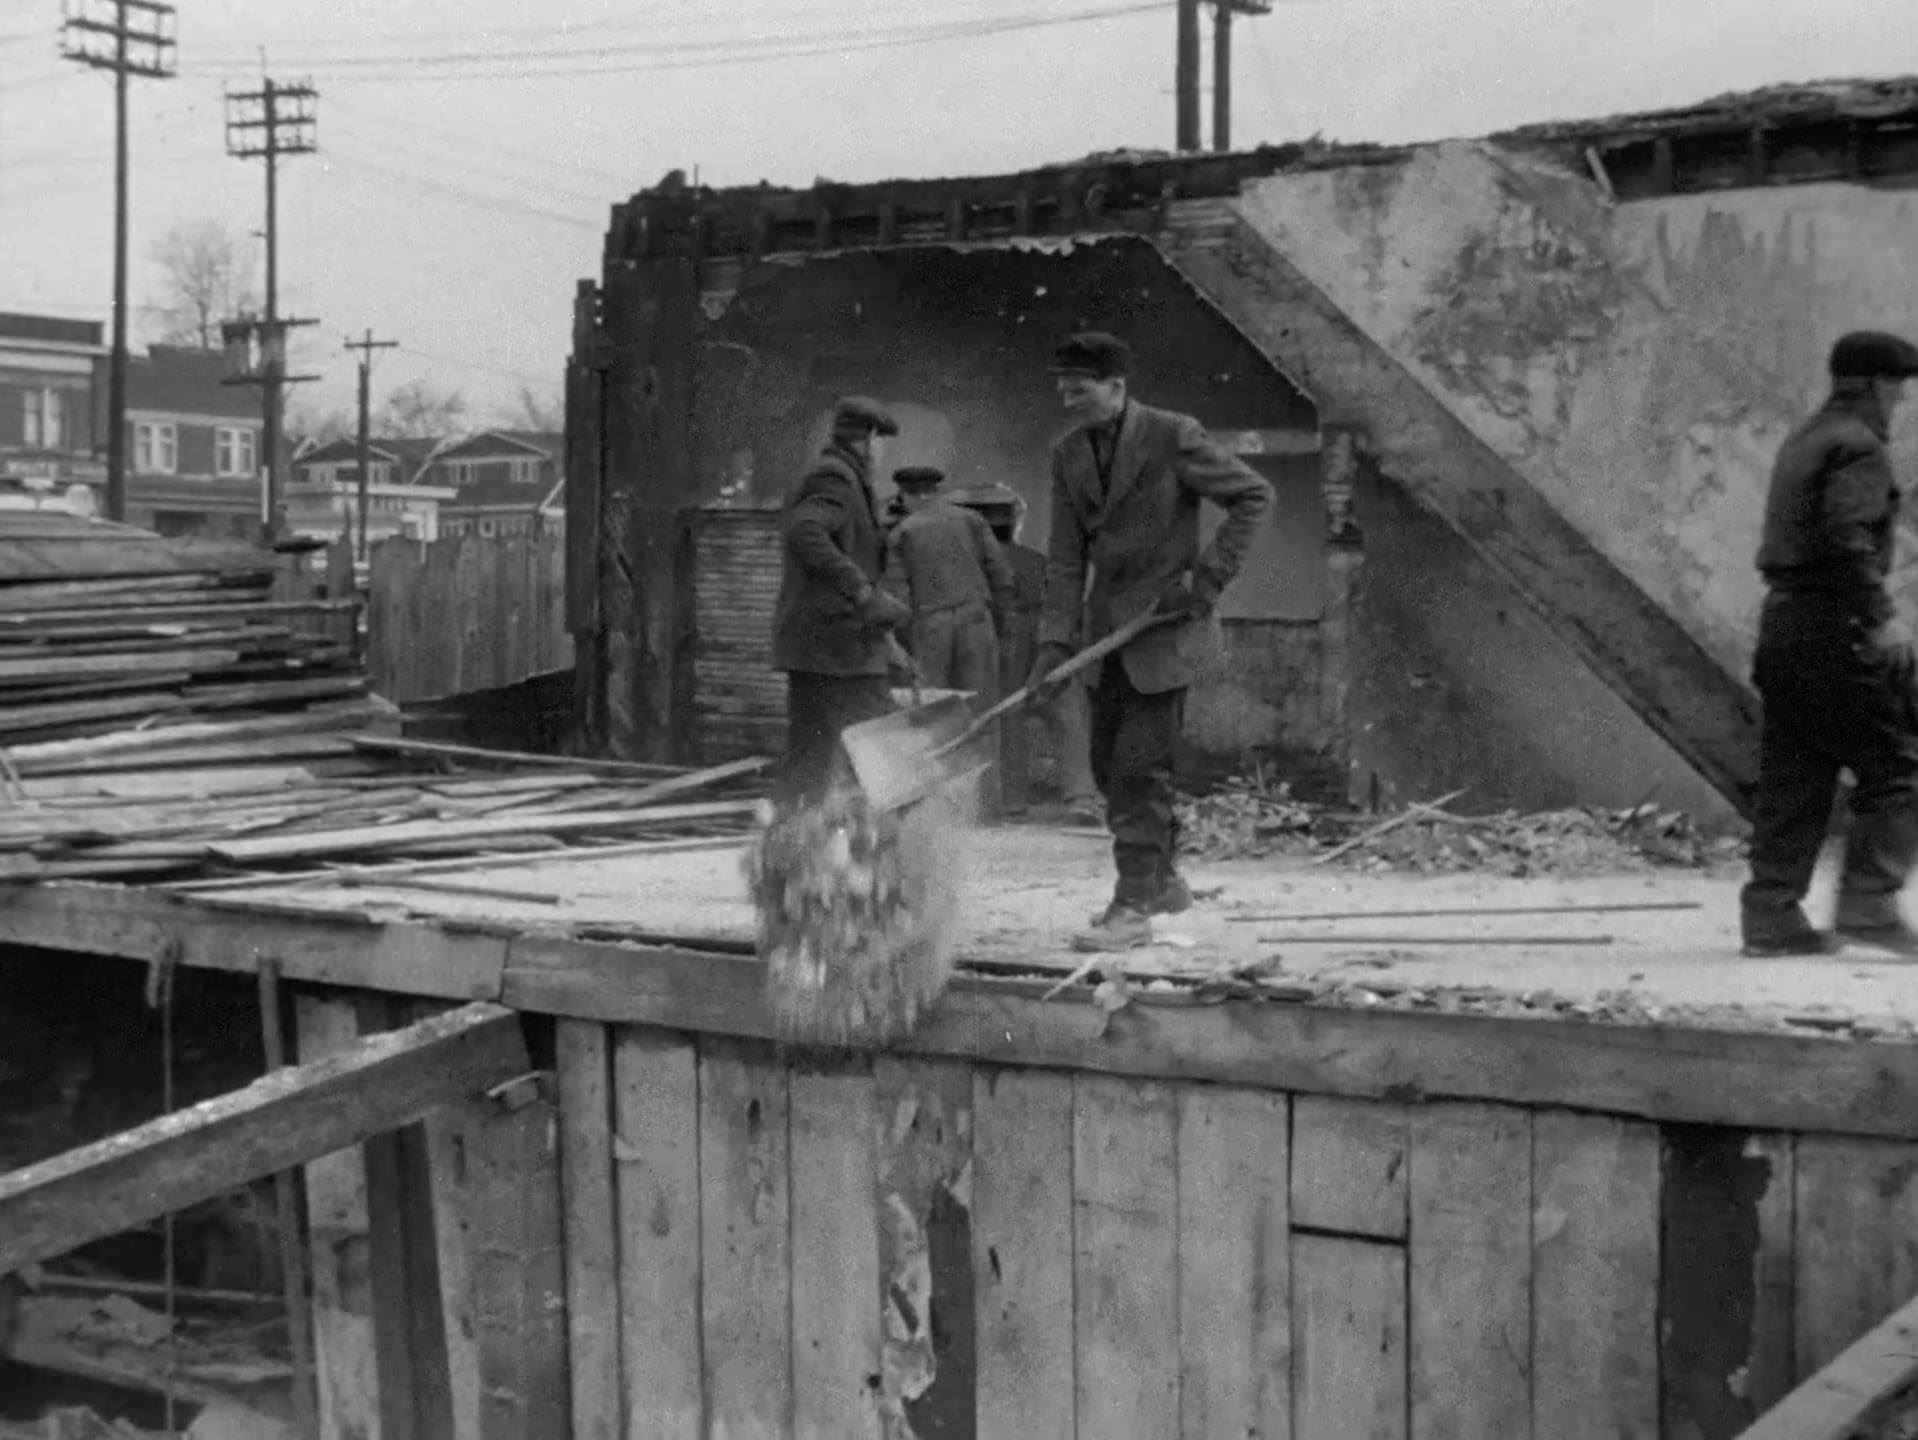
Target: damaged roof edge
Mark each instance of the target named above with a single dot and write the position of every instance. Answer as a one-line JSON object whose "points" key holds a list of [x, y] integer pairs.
{"points": [[765, 218]]}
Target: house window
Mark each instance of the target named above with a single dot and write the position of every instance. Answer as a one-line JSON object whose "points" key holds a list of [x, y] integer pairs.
{"points": [[525, 472], [155, 448], [459, 473], [42, 419], [233, 450]]}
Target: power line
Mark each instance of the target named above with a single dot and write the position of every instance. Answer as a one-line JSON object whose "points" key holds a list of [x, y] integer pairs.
{"points": [[495, 204], [811, 46], [478, 365], [543, 160], [471, 167]]}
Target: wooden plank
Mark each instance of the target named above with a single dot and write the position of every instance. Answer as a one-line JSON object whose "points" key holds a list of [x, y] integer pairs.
{"points": [[434, 749], [1595, 1192], [928, 1373], [836, 1281], [1773, 1367], [416, 1385], [345, 1353], [1874, 1380], [145, 924], [744, 1249], [453, 1133], [1348, 1339], [387, 837], [1235, 1272], [1725, 1294], [656, 1118], [592, 1239], [1469, 1272], [1348, 1167], [280, 1120], [1022, 1252], [519, 1270], [1125, 1257], [1857, 1241], [1743, 1078]]}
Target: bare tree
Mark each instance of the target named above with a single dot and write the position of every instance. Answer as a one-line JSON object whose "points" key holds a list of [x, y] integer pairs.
{"points": [[319, 425], [418, 409], [206, 273], [533, 411]]}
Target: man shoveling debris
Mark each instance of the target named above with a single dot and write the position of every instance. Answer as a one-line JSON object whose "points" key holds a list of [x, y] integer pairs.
{"points": [[1126, 488]]}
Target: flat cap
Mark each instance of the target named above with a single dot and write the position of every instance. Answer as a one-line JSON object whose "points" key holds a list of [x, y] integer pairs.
{"points": [[918, 477], [856, 414], [1093, 353], [987, 497], [1870, 354]]}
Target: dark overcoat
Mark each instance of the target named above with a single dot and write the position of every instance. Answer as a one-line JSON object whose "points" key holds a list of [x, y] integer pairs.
{"points": [[1139, 531], [833, 550]]}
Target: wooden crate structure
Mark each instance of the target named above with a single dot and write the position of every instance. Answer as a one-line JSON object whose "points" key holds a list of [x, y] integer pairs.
{"points": [[771, 1246]]}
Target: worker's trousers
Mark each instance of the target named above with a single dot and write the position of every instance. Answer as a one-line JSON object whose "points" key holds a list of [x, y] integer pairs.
{"points": [[1135, 738], [957, 649], [1832, 701], [818, 708]]}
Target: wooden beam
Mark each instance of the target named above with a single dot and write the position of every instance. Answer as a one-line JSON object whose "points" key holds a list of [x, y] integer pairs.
{"points": [[142, 924], [280, 1120], [413, 832], [1873, 1381], [1756, 1081]]}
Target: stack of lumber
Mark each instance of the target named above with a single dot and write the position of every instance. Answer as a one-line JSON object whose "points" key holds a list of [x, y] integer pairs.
{"points": [[386, 799]]}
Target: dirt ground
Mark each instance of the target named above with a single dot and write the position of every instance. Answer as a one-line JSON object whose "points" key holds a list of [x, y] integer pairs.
{"points": [[1029, 889]]}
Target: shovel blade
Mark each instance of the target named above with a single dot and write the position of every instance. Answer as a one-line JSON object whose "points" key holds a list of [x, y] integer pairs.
{"points": [[892, 756]]}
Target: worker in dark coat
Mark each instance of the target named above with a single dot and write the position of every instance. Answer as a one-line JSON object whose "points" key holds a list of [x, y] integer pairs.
{"points": [[944, 563], [1835, 668], [834, 623], [1126, 487]]}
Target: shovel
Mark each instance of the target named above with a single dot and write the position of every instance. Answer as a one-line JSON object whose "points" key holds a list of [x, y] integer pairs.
{"points": [[902, 758]]}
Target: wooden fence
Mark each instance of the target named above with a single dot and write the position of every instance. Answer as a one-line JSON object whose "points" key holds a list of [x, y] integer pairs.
{"points": [[464, 614]]}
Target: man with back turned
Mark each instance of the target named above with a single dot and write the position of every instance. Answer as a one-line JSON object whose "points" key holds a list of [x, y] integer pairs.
{"points": [[1835, 669]]}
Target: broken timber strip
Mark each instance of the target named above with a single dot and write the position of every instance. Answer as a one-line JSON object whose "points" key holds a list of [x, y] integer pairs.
{"points": [[1438, 939], [283, 1119], [1467, 912], [442, 751], [387, 837], [1872, 1382], [1422, 811]]}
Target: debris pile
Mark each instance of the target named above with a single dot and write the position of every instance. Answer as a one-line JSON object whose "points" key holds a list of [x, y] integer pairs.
{"points": [[1244, 820], [856, 914]]}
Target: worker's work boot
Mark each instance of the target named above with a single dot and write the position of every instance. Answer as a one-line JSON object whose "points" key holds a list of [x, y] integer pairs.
{"points": [[1877, 921], [1770, 933], [1120, 926], [1173, 896]]}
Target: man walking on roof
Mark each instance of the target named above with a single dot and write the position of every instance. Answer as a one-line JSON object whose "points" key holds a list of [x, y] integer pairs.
{"points": [[1126, 487], [1835, 668]]}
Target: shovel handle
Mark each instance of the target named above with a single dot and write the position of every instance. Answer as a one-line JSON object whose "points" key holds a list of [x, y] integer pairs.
{"points": [[1086, 658]]}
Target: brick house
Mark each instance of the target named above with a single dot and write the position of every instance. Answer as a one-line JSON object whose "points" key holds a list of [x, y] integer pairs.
{"points": [[193, 445], [506, 482], [48, 422]]}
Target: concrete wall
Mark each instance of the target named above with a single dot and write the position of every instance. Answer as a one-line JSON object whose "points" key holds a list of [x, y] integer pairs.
{"points": [[1637, 364]]}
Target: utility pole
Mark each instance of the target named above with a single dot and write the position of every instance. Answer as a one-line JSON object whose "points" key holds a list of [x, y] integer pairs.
{"points": [[128, 37], [1186, 75], [272, 121], [1223, 11], [366, 348]]}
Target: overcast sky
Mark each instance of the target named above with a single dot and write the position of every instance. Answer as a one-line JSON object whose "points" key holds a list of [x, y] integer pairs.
{"points": [[469, 149]]}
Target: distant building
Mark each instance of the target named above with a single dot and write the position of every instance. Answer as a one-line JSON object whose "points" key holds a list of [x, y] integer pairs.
{"points": [[506, 482], [322, 495], [193, 445], [47, 415]]}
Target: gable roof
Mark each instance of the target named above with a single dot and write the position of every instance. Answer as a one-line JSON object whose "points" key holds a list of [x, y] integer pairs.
{"points": [[406, 453], [540, 444], [180, 380]]}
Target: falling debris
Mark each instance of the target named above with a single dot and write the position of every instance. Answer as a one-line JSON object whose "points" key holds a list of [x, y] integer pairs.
{"points": [[856, 914], [1245, 821]]}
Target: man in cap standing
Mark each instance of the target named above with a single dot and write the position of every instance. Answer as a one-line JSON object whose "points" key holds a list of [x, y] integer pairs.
{"points": [[944, 563], [833, 623], [1835, 668], [1126, 487]]}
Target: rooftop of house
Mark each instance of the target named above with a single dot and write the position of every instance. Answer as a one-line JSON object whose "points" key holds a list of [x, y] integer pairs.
{"points": [[408, 453], [181, 380], [1861, 130], [545, 444], [50, 329]]}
